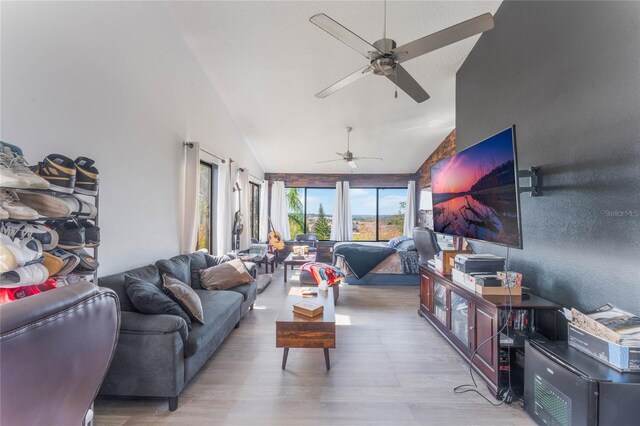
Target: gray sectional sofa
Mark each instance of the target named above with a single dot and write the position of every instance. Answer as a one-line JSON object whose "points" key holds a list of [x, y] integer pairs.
{"points": [[156, 355]]}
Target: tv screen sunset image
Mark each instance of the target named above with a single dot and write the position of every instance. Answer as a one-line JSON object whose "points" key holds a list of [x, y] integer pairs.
{"points": [[475, 192]]}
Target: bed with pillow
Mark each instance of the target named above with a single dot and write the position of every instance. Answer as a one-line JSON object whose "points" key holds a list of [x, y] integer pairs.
{"points": [[379, 263]]}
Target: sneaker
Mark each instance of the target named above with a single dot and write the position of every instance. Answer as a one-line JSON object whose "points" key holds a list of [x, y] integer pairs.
{"points": [[59, 171], [8, 178], [87, 265], [70, 233], [48, 237], [87, 177], [68, 259], [16, 252], [53, 263], [91, 233], [20, 167], [12, 149], [8, 261], [45, 204], [79, 207], [10, 202], [4, 214], [36, 273]]}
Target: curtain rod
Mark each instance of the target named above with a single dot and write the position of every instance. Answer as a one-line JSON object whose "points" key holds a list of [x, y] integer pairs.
{"points": [[190, 145], [242, 169]]}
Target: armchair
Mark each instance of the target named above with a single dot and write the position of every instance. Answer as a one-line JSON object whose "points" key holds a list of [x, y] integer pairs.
{"points": [[55, 348]]}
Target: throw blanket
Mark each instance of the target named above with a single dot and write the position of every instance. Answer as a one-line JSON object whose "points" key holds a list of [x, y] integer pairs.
{"points": [[362, 258], [322, 271], [409, 261]]}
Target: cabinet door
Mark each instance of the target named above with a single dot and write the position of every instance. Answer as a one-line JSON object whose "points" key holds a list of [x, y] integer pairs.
{"points": [[440, 302], [426, 289], [484, 326], [459, 324]]}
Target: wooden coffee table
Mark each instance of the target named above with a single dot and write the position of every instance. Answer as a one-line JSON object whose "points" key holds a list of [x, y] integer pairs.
{"points": [[298, 331], [292, 261]]}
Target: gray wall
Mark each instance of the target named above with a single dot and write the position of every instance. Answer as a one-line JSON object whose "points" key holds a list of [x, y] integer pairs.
{"points": [[567, 74]]}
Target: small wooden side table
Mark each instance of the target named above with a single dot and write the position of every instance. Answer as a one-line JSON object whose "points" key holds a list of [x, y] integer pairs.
{"points": [[298, 331]]}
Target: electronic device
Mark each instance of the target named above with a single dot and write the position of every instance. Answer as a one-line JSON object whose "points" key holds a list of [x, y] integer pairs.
{"points": [[475, 192], [485, 263], [563, 386]]}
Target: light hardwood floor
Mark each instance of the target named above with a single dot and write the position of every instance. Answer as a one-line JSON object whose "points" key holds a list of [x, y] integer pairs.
{"points": [[389, 368]]}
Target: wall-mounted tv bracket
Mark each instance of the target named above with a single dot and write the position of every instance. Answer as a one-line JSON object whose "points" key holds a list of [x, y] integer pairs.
{"points": [[533, 188]]}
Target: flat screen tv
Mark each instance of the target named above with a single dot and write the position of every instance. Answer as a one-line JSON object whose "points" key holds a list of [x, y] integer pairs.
{"points": [[475, 192]]}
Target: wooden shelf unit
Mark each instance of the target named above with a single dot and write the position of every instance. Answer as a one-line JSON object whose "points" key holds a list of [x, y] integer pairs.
{"points": [[469, 322]]}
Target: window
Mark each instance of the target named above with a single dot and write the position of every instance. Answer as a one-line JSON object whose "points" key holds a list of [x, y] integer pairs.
{"points": [[255, 211], [363, 213], [205, 203], [310, 211], [319, 211], [392, 203], [377, 213]]}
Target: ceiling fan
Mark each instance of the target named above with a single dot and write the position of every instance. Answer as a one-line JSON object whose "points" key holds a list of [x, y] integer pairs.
{"points": [[385, 57], [348, 156]]}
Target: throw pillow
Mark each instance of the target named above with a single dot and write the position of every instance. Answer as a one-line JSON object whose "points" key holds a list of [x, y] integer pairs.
{"points": [[149, 299], [225, 276], [177, 267], [216, 260], [184, 296], [406, 245], [394, 242]]}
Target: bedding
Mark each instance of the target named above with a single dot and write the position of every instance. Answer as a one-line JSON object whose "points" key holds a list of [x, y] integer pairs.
{"points": [[402, 260], [362, 258]]}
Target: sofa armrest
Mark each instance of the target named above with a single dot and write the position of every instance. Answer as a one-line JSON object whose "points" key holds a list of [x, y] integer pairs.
{"points": [[138, 323], [31, 310], [149, 357]]}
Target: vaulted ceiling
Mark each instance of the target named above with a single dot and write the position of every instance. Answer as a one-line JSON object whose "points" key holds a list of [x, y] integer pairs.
{"points": [[267, 61]]}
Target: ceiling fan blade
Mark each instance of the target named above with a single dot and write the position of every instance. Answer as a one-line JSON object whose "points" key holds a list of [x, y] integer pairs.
{"points": [[329, 161], [345, 35], [344, 82], [442, 38], [407, 83], [367, 158]]}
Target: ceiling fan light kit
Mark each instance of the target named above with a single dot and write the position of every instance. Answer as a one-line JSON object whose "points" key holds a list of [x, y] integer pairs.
{"points": [[385, 57]]}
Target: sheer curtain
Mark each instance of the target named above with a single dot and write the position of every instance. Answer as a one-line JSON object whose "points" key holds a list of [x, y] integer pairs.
{"points": [[189, 213], [410, 209], [242, 179], [341, 225], [224, 209], [279, 210], [264, 211]]}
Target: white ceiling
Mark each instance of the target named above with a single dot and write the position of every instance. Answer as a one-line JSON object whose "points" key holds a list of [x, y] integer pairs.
{"points": [[267, 61]]}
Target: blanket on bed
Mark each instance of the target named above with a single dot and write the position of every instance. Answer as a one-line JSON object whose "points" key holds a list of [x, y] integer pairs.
{"points": [[362, 258], [409, 261]]}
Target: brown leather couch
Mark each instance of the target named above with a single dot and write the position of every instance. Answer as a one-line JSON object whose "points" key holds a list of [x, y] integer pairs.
{"points": [[55, 349]]}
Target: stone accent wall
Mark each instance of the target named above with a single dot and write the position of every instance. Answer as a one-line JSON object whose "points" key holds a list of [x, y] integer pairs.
{"points": [[446, 149]]}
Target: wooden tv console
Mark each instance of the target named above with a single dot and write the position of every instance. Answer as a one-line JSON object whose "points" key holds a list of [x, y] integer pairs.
{"points": [[466, 320]]}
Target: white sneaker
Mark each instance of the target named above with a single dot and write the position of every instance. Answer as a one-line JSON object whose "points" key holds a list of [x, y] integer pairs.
{"points": [[17, 252], [11, 204], [32, 274], [8, 178], [20, 168]]}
